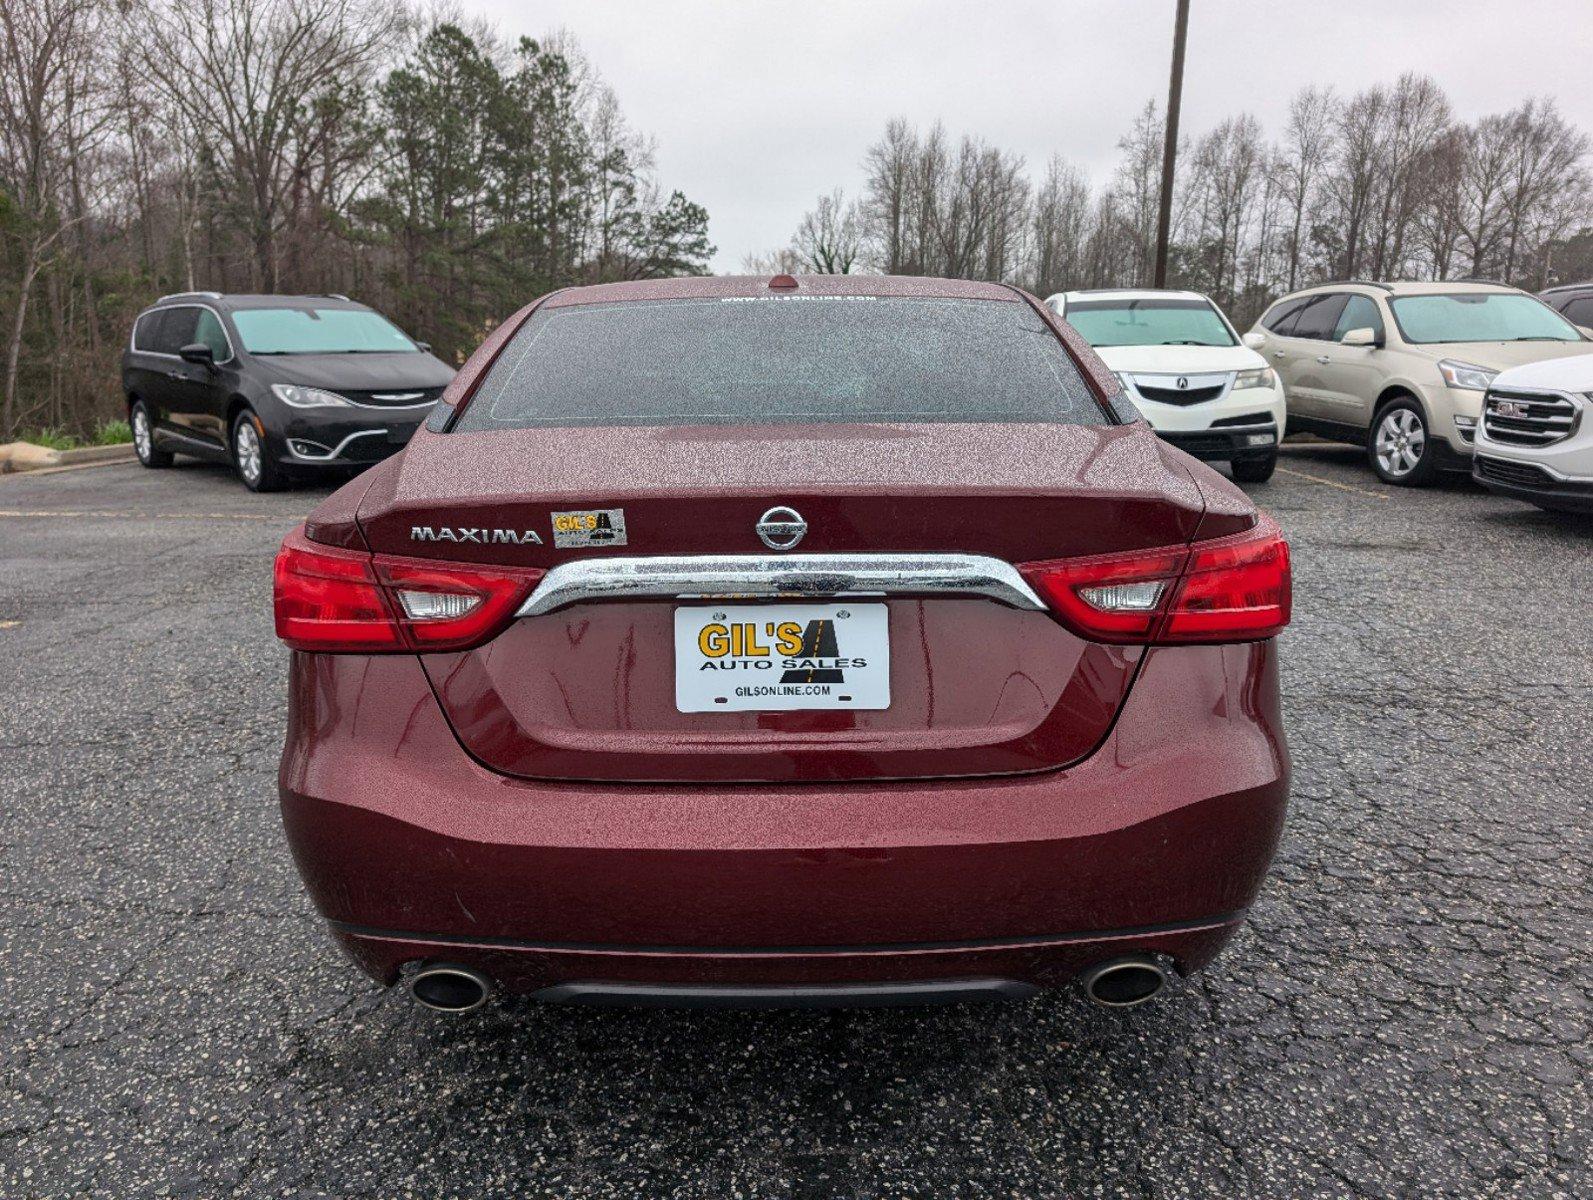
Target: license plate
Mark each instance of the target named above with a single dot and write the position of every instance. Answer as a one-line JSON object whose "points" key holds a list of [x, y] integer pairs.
{"points": [[740, 657]]}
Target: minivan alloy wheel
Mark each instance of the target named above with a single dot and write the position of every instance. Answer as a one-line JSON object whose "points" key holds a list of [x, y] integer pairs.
{"points": [[246, 450], [1401, 441], [149, 454]]}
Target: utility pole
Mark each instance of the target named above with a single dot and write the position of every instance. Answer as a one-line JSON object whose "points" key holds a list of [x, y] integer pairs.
{"points": [[1175, 92]]}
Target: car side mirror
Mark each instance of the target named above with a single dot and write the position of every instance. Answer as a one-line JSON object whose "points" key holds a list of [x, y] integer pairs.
{"points": [[1586, 332], [425, 347], [1254, 340], [198, 353], [1360, 337]]}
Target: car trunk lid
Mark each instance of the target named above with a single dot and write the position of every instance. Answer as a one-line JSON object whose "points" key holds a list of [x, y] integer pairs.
{"points": [[978, 683]]}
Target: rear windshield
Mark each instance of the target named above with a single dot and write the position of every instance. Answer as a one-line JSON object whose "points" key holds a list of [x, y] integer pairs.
{"points": [[1149, 322], [782, 360]]}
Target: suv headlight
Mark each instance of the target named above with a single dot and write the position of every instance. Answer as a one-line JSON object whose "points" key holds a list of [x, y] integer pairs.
{"points": [[1260, 377], [1468, 377], [295, 396]]}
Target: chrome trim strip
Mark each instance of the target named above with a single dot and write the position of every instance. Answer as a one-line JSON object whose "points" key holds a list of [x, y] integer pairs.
{"points": [[336, 450], [382, 407], [192, 439], [786, 576]]}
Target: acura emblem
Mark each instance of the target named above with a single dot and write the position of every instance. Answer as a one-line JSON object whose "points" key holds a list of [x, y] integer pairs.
{"points": [[781, 528], [1183, 382]]}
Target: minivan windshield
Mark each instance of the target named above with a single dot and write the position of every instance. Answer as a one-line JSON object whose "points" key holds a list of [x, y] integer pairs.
{"points": [[319, 331], [1162, 321], [782, 360], [1480, 317]]}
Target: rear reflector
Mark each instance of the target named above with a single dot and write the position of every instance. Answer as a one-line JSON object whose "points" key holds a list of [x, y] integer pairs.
{"points": [[351, 602], [1234, 589]]}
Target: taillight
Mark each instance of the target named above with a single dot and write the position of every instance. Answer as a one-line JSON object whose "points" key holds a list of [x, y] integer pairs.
{"points": [[1234, 589], [351, 602]]}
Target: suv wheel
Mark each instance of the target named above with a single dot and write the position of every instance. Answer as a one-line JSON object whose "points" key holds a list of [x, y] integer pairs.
{"points": [[144, 446], [1399, 446], [249, 457], [1254, 470]]}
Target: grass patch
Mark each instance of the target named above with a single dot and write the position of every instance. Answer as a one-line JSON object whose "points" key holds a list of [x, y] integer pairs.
{"points": [[111, 433], [52, 439]]}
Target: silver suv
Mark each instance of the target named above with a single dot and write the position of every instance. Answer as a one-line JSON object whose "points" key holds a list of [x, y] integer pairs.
{"points": [[1402, 367]]}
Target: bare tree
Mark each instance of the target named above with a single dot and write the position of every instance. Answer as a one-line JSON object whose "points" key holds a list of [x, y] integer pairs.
{"points": [[1058, 229], [50, 112], [1545, 187], [1417, 114], [830, 237], [258, 79], [1308, 143], [1485, 171], [1138, 185], [1226, 168], [890, 166], [1436, 182], [783, 261]]}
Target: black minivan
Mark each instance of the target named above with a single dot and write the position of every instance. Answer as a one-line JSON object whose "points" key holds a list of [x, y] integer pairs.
{"points": [[281, 387]]}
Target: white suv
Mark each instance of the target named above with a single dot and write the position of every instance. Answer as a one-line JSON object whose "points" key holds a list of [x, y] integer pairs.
{"points": [[1536, 438], [1200, 387]]}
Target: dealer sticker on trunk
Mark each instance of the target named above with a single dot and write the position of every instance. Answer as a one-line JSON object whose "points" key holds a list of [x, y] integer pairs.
{"points": [[735, 658], [595, 527]]}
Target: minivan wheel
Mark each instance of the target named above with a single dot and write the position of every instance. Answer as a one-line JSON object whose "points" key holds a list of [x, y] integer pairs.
{"points": [[249, 457], [1399, 446], [144, 446], [1254, 470]]}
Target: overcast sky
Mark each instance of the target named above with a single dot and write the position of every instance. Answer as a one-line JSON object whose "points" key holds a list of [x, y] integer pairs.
{"points": [[760, 105]]}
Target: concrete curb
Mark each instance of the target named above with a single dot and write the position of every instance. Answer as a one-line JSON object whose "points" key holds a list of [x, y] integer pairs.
{"points": [[25, 456]]}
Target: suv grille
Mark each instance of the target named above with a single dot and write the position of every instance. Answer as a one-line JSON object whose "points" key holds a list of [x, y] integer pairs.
{"points": [[1164, 395], [1525, 474], [1528, 418]]}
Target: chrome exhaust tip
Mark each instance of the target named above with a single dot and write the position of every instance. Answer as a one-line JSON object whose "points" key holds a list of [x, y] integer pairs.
{"points": [[1124, 982], [449, 988]]}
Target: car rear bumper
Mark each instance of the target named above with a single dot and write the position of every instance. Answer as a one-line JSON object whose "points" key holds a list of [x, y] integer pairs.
{"points": [[1155, 844], [781, 977]]}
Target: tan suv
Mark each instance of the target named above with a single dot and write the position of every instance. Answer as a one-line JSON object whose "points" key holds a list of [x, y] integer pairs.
{"points": [[1401, 368]]}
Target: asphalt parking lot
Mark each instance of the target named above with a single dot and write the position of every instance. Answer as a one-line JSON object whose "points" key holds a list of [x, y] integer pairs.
{"points": [[1406, 1013]]}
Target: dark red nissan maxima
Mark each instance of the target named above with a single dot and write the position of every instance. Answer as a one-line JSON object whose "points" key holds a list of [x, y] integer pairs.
{"points": [[828, 640]]}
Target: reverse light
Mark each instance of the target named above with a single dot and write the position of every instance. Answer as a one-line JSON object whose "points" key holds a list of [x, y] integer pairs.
{"points": [[1467, 377], [295, 396], [337, 601], [1234, 589]]}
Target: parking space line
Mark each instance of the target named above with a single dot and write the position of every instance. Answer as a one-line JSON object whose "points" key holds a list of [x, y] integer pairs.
{"points": [[144, 516], [1332, 483]]}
